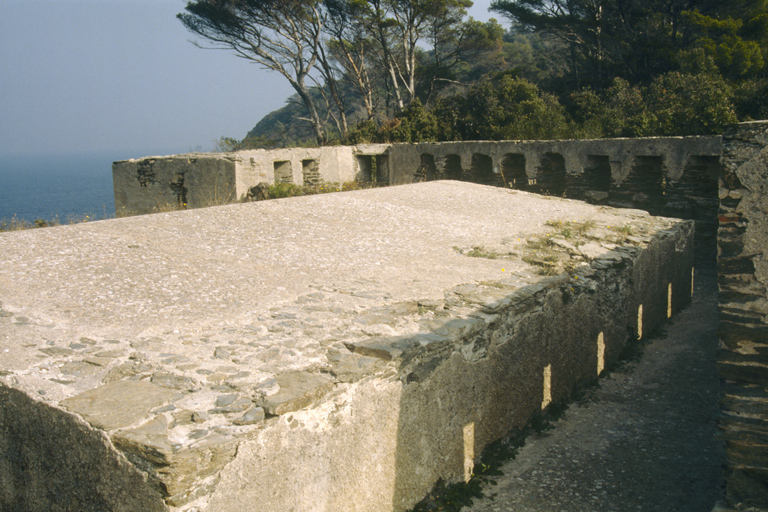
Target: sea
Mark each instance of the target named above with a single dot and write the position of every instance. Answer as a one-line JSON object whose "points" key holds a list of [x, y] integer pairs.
{"points": [[58, 187]]}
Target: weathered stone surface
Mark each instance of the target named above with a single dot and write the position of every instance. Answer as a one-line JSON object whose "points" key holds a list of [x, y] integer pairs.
{"points": [[232, 341], [297, 390], [743, 332], [118, 404], [149, 441]]}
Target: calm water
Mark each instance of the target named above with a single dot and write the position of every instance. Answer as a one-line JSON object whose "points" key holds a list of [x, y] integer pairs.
{"points": [[56, 186]]}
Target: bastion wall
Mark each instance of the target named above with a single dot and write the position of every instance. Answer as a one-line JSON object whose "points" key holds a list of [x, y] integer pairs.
{"points": [[671, 176], [743, 332], [328, 353], [373, 403]]}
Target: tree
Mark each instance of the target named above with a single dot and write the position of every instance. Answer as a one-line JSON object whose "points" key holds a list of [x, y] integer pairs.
{"points": [[398, 27], [690, 104], [351, 46], [455, 42], [281, 35], [631, 39], [577, 24], [734, 45], [502, 109]]}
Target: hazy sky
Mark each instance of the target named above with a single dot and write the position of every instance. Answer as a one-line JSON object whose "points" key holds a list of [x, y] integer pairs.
{"points": [[122, 76]]}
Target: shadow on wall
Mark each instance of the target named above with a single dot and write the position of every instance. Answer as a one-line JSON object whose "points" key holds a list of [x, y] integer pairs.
{"points": [[549, 341]]}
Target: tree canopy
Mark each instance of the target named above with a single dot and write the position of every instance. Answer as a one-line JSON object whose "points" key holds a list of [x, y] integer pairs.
{"points": [[412, 70]]}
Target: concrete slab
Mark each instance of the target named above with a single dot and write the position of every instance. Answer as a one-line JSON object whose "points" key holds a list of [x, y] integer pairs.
{"points": [[325, 353]]}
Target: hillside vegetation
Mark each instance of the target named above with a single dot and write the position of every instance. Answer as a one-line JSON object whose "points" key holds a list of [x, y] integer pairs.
{"points": [[397, 71]]}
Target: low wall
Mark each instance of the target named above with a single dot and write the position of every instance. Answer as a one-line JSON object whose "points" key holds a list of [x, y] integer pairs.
{"points": [[197, 180], [255, 357], [743, 332], [670, 176]]}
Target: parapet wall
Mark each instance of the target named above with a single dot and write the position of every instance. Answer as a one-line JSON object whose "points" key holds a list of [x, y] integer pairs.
{"points": [[197, 180], [743, 332], [670, 176]]}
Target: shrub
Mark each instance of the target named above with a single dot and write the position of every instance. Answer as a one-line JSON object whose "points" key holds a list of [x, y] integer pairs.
{"points": [[690, 104], [279, 190]]}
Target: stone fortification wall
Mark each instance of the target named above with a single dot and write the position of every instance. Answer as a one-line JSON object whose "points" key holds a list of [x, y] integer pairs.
{"points": [[670, 176], [743, 332], [330, 353], [196, 180]]}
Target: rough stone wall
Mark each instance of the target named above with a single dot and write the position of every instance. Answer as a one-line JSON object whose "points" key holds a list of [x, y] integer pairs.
{"points": [[670, 176], [152, 184], [507, 357], [185, 181], [743, 332], [34, 477], [674, 176], [255, 357]]}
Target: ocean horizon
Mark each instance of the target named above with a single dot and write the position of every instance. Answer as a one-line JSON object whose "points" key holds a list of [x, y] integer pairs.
{"points": [[59, 186]]}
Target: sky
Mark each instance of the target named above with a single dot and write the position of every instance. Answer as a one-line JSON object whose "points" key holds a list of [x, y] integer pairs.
{"points": [[122, 76]]}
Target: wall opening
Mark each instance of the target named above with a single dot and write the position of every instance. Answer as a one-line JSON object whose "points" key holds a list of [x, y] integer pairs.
{"points": [[453, 169], [469, 451], [366, 166], [644, 186], [640, 322], [427, 169], [283, 172], [546, 398], [482, 170], [600, 353], [550, 175], [513, 167], [669, 301], [310, 170], [693, 273], [178, 188], [593, 183], [382, 169]]}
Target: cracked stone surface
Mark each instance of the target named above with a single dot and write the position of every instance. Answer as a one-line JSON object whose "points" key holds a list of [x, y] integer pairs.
{"points": [[179, 336]]}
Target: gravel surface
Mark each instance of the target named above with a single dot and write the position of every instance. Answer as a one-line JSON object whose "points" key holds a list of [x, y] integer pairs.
{"points": [[643, 440]]}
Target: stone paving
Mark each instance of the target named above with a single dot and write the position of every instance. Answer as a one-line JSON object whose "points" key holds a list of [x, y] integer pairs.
{"points": [[175, 337]]}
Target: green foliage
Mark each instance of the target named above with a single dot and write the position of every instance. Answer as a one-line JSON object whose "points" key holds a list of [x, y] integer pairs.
{"points": [[689, 104], [226, 144], [618, 111], [673, 104], [721, 41], [505, 108], [279, 190], [367, 132], [414, 124], [565, 69], [750, 98]]}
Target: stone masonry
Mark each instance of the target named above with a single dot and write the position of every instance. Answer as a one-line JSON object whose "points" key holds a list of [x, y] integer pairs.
{"points": [[743, 332], [330, 353], [669, 176]]}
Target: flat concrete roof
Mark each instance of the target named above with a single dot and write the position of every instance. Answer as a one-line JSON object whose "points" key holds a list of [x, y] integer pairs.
{"points": [[199, 309], [160, 283]]}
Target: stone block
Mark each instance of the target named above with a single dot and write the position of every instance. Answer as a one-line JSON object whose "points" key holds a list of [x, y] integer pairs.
{"points": [[743, 280], [327, 353]]}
